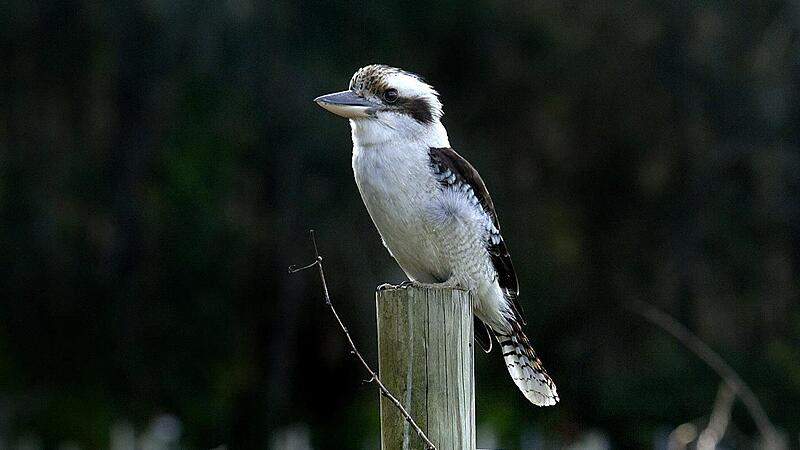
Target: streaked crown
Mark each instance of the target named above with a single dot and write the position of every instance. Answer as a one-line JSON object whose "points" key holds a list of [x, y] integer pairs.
{"points": [[398, 91]]}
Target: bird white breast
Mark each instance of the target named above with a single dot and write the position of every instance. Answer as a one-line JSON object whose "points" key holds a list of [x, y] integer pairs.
{"points": [[434, 233], [399, 193]]}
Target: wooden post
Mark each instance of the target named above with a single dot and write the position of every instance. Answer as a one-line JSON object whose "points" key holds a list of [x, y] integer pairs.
{"points": [[425, 357]]}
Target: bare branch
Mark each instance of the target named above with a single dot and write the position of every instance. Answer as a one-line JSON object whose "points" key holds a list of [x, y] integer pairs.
{"points": [[711, 436], [373, 376], [772, 439]]}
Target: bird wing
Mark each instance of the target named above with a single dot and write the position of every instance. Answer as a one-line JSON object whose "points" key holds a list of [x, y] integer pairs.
{"points": [[451, 169]]}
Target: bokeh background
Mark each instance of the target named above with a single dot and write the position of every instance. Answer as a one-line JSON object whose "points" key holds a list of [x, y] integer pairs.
{"points": [[161, 163]]}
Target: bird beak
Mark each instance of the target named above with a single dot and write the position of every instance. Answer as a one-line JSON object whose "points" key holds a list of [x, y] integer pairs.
{"points": [[346, 104]]}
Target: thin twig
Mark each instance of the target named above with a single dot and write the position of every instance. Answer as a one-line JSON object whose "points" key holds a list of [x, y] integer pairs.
{"points": [[711, 436], [373, 376], [772, 439]]}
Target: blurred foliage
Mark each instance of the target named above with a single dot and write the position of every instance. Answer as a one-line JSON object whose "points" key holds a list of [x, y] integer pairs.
{"points": [[161, 163]]}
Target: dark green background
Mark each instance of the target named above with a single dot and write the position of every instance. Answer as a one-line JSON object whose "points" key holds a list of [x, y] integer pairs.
{"points": [[161, 163]]}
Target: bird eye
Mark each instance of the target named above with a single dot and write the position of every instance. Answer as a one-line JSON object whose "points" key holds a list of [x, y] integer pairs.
{"points": [[390, 95]]}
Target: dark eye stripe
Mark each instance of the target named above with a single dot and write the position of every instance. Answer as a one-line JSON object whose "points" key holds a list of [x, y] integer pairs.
{"points": [[419, 109]]}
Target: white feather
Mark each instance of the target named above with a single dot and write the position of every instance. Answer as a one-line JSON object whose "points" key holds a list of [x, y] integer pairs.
{"points": [[435, 234], [435, 227]]}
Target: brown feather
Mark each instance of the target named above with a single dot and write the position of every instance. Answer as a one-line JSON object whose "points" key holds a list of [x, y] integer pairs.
{"points": [[445, 158]]}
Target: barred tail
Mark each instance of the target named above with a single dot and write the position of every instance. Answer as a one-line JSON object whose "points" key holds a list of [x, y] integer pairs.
{"points": [[526, 368]]}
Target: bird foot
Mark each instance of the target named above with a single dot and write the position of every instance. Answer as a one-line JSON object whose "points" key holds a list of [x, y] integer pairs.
{"points": [[449, 284], [389, 286]]}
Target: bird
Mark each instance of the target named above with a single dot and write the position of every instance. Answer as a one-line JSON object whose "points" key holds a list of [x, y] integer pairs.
{"points": [[433, 211]]}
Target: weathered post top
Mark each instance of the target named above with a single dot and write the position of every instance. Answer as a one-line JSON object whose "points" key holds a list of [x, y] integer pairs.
{"points": [[425, 354]]}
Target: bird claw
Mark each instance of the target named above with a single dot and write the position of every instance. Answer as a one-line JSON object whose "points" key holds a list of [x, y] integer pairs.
{"points": [[403, 285], [449, 284], [410, 283]]}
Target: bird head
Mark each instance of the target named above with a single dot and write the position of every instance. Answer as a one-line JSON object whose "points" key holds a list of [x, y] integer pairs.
{"points": [[384, 101]]}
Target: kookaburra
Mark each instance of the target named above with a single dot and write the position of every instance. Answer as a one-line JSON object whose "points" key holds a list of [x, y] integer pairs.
{"points": [[433, 211]]}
